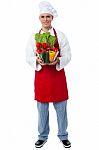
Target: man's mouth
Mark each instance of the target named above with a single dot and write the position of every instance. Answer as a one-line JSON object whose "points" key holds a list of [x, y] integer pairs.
{"points": [[45, 22]]}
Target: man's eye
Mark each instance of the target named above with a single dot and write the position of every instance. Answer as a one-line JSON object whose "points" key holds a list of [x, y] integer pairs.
{"points": [[42, 16], [48, 16]]}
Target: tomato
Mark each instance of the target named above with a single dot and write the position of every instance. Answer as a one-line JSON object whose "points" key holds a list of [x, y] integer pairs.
{"points": [[55, 49], [38, 45], [44, 50], [44, 45]]}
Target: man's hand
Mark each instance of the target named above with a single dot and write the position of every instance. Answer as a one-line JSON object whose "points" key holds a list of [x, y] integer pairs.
{"points": [[54, 62], [40, 61]]}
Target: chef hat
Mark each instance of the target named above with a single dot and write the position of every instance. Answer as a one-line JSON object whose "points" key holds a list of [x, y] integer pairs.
{"points": [[46, 7]]}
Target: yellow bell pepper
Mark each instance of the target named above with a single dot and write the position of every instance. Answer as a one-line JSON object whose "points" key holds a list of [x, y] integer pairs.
{"points": [[51, 55]]}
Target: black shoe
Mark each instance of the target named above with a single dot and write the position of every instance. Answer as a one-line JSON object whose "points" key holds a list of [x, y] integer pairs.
{"points": [[40, 143], [66, 143]]}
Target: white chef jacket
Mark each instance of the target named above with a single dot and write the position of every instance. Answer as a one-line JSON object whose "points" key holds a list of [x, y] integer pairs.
{"points": [[65, 51]]}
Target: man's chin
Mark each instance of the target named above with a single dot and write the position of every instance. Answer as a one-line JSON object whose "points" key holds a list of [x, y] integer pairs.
{"points": [[46, 26]]}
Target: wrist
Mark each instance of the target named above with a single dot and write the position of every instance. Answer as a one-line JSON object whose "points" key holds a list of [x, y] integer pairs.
{"points": [[58, 60]]}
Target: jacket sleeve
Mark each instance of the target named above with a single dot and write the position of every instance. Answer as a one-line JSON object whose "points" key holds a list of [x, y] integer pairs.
{"points": [[31, 55], [65, 52]]}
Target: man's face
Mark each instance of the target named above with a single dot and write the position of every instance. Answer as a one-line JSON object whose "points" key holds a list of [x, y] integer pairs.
{"points": [[46, 20]]}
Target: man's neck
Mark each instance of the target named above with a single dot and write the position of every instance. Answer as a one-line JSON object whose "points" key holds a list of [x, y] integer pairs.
{"points": [[46, 29]]}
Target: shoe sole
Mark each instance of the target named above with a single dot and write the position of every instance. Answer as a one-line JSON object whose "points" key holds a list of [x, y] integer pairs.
{"points": [[67, 146], [40, 145]]}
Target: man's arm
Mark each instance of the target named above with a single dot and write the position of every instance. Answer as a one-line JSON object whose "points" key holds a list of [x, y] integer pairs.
{"points": [[65, 52], [31, 58]]}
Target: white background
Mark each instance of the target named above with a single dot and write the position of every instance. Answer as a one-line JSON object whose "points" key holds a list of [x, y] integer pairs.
{"points": [[79, 20]]}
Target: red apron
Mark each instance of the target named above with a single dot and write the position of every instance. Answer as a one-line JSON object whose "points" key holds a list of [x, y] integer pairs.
{"points": [[49, 84]]}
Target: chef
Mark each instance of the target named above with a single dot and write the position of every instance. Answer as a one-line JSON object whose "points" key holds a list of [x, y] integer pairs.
{"points": [[50, 85]]}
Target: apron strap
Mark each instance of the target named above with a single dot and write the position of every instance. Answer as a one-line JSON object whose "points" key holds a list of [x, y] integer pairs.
{"points": [[56, 44]]}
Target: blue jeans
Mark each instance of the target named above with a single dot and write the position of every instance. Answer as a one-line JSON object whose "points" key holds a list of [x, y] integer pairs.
{"points": [[43, 119]]}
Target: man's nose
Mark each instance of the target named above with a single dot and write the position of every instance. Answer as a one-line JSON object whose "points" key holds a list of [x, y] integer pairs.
{"points": [[45, 18]]}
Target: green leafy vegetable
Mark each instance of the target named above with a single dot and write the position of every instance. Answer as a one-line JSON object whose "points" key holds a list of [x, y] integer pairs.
{"points": [[45, 38]]}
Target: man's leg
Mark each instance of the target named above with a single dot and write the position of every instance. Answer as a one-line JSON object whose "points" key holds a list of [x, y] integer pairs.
{"points": [[61, 111], [43, 120]]}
